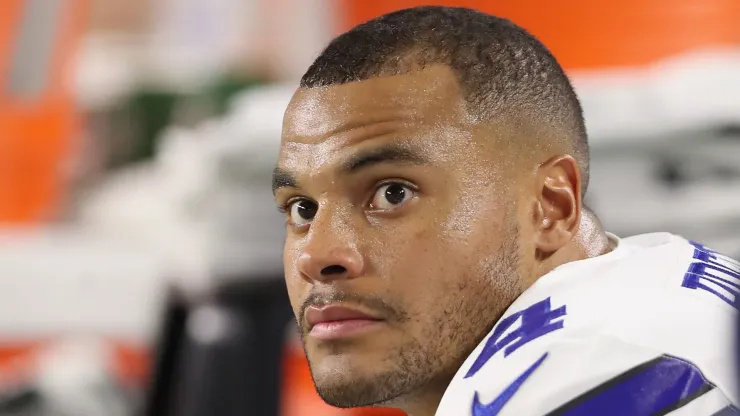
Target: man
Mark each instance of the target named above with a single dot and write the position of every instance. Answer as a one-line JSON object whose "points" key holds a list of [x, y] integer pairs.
{"points": [[439, 258]]}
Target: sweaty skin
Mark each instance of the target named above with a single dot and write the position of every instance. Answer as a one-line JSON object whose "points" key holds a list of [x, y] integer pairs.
{"points": [[401, 205]]}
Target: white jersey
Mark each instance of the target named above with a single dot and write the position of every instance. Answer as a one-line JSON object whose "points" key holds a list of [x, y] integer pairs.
{"points": [[647, 329]]}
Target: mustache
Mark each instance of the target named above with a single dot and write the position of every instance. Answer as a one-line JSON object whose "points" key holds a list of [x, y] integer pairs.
{"points": [[372, 302]]}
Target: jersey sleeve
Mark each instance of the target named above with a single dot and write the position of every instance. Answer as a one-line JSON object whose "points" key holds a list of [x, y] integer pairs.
{"points": [[650, 334], [594, 375]]}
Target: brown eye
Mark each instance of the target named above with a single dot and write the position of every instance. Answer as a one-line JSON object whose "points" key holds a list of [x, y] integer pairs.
{"points": [[391, 195], [303, 211]]}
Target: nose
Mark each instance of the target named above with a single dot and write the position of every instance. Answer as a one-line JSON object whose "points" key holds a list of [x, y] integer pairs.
{"points": [[330, 253]]}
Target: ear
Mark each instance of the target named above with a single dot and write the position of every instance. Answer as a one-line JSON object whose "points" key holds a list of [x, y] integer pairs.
{"points": [[558, 206]]}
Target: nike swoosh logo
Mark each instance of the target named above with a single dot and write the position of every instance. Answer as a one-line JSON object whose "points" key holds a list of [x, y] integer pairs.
{"points": [[493, 408]]}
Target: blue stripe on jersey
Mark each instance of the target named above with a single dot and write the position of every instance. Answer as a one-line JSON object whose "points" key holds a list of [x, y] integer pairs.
{"points": [[650, 389], [728, 411]]}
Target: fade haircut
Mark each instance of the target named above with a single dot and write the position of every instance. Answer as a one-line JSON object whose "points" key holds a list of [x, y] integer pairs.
{"points": [[503, 71]]}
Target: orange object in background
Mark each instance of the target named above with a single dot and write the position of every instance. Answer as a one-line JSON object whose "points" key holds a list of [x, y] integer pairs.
{"points": [[37, 113], [587, 34], [128, 363]]}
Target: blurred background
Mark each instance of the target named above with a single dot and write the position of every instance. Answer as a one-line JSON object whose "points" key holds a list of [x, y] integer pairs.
{"points": [[140, 252]]}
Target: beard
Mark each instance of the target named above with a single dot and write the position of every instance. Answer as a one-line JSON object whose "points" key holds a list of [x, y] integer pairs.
{"points": [[447, 335]]}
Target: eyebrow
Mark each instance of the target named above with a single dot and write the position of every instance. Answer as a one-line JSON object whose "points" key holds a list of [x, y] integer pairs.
{"points": [[283, 179], [362, 160], [380, 155]]}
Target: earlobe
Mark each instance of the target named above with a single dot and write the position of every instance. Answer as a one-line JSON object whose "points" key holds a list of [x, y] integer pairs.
{"points": [[559, 203]]}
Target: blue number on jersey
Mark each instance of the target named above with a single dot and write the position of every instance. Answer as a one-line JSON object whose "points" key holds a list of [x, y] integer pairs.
{"points": [[714, 273], [537, 320]]}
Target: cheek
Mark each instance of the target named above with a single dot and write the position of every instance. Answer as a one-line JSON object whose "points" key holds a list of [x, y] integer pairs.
{"points": [[423, 265], [449, 258], [434, 245], [297, 287]]}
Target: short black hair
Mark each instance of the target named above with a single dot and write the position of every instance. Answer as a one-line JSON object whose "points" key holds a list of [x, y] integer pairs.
{"points": [[501, 68]]}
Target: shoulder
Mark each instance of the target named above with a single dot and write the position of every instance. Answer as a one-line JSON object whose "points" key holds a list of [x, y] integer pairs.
{"points": [[593, 374], [652, 278], [644, 314]]}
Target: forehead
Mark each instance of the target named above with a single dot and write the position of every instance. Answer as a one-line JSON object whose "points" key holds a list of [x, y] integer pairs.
{"points": [[342, 115]]}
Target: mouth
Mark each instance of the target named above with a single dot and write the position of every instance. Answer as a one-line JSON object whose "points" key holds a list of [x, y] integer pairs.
{"points": [[332, 322]]}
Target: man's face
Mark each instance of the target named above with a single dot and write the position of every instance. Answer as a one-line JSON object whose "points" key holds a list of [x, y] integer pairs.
{"points": [[401, 249]]}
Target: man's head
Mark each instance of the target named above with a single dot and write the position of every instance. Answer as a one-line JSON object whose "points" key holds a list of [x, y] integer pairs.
{"points": [[432, 161]]}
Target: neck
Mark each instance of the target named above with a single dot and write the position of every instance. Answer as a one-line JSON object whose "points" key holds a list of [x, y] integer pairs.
{"points": [[424, 403], [590, 241]]}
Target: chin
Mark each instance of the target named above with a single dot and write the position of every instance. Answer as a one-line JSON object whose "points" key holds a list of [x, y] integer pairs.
{"points": [[347, 381], [341, 367], [353, 391], [344, 355]]}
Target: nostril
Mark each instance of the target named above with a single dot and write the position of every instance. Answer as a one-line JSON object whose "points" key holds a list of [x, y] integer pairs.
{"points": [[333, 270]]}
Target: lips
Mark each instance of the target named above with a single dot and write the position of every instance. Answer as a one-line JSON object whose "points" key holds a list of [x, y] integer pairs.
{"points": [[334, 322], [335, 314]]}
